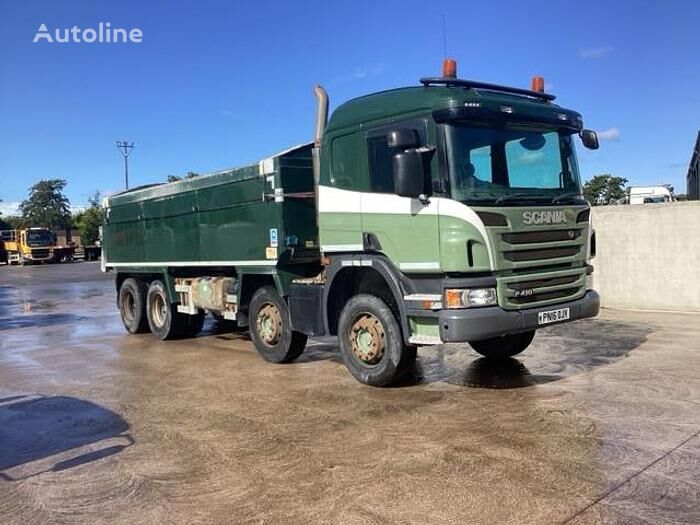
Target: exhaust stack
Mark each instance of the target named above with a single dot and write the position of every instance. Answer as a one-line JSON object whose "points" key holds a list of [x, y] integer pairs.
{"points": [[321, 120], [321, 114]]}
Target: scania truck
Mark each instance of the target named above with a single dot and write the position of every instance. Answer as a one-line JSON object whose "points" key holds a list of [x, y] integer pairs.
{"points": [[449, 211]]}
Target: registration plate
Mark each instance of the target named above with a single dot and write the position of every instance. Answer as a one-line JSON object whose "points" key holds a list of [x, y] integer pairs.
{"points": [[553, 316]]}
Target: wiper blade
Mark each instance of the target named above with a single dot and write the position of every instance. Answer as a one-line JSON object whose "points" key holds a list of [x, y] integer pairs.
{"points": [[519, 197], [565, 196]]}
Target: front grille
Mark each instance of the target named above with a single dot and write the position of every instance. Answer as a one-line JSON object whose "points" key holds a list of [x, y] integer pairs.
{"points": [[543, 236], [545, 296], [40, 254], [543, 267], [539, 283], [541, 254]]}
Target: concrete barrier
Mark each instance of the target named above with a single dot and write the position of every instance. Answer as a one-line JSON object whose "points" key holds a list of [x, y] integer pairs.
{"points": [[648, 256]]}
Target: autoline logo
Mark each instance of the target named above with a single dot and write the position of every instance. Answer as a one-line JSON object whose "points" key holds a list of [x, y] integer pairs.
{"points": [[103, 34]]}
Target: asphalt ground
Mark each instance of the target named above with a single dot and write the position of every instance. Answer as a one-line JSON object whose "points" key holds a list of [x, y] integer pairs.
{"points": [[597, 422]]}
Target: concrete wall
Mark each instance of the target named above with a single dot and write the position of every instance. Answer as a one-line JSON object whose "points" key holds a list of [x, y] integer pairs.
{"points": [[648, 256]]}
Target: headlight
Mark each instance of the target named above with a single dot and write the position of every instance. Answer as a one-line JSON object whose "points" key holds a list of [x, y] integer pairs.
{"points": [[470, 297]]}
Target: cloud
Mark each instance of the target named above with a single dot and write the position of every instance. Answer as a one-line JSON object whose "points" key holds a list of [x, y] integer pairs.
{"points": [[531, 157], [609, 134], [362, 72], [595, 52], [9, 208]]}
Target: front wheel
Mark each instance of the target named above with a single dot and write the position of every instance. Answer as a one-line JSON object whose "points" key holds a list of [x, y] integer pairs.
{"points": [[504, 346], [372, 343], [271, 327]]}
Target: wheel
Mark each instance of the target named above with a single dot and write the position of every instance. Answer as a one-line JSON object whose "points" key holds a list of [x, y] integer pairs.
{"points": [[504, 346], [192, 324], [371, 341], [163, 318], [132, 305], [271, 327]]}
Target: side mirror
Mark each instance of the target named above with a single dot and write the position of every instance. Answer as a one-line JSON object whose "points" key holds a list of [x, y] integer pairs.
{"points": [[590, 139], [412, 172], [402, 138]]}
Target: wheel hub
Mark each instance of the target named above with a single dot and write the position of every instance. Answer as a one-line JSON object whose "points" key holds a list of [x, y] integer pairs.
{"points": [[367, 338], [159, 310], [269, 324]]}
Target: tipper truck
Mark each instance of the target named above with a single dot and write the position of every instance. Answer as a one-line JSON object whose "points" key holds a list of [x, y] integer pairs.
{"points": [[450, 211], [32, 245]]}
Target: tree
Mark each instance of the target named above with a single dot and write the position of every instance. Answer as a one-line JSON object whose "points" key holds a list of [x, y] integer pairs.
{"points": [[12, 222], [604, 189], [190, 175], [47, 205], [89, 221]]}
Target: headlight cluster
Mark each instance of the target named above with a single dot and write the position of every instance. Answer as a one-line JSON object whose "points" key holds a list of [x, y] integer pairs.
{"points": [[470, 297]]}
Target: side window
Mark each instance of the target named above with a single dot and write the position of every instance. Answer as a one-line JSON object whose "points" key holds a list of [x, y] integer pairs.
{"points": [[381, 176], [346, 170]]}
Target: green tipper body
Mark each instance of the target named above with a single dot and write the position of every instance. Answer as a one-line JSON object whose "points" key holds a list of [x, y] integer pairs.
{"points": [[248, 217]]}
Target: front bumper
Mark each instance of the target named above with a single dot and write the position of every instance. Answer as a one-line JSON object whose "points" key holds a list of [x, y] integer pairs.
{"points": [[476, 324]]}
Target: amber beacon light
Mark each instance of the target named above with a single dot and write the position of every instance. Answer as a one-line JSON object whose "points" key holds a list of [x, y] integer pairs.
{"points": [[449, 68], [538, 84]]}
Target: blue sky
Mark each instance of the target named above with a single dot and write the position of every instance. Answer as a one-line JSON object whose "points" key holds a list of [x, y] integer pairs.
{"points": [[216, 84]]}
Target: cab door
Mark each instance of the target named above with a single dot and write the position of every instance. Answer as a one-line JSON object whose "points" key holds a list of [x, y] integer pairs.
{"points": [[403, 228]]}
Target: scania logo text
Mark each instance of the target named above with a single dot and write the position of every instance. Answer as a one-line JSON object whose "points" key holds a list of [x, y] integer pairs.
{"points": [[544, 217]]}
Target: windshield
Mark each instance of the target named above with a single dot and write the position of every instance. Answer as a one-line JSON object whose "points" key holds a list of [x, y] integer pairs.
{"points": [[508, 166], [39, 238]]}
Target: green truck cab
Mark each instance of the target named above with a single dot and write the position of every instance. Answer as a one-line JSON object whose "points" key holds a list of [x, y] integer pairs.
{"points": [[450, 211]]}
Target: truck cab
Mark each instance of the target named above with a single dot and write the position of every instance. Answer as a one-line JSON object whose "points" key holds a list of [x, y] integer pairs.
{"points": [[470, 194], [28, 245]]}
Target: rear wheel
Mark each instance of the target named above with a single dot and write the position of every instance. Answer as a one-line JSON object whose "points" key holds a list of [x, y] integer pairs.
{"points": [[163, 319], [132, 305], [504, 345], [372, 343], [271, 327]]}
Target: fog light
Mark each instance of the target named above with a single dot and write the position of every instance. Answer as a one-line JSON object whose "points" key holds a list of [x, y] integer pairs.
{"points": [[471, 297]]}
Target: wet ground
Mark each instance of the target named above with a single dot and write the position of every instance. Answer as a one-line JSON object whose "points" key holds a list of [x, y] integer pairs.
{"points": [[598, 422]]}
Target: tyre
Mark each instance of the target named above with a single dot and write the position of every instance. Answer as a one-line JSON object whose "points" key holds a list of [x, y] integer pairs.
{"points": [[271, 327], [163, 319], [504, 346], [132, 305], [371, 342]]}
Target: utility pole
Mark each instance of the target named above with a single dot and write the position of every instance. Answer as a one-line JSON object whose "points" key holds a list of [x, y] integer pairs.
{"points": [[125, 149]]}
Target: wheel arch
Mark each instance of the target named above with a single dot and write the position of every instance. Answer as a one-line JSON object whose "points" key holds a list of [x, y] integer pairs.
{"points": [[349, 275]]}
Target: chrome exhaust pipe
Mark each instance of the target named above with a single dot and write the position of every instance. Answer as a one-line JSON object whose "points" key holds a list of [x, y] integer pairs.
{"points": [[321, 114]]}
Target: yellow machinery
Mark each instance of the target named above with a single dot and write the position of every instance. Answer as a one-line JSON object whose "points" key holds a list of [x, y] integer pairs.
{"points": [[28, 245]]}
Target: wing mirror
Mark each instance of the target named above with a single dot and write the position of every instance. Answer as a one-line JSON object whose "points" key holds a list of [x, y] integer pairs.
{"points": [[411, 170], [589, 139]]}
